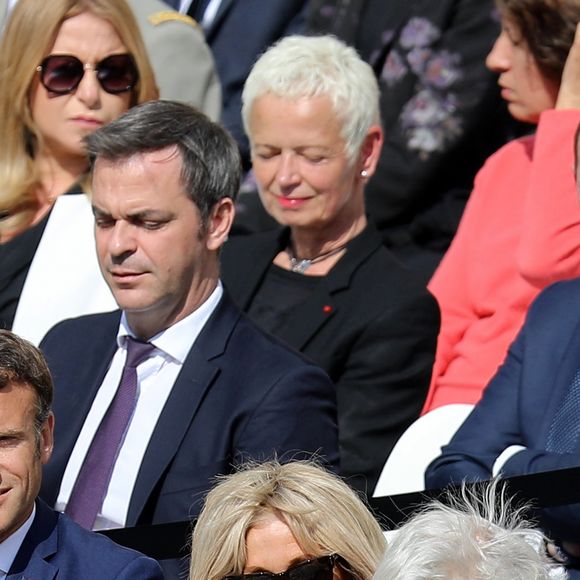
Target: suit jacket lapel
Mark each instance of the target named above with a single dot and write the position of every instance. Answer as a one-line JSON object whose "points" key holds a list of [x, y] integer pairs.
{"points": [[309, 317], [246, 283], [223, 9], [90, 376], [197, 375], [322, 306], [40, 543]]}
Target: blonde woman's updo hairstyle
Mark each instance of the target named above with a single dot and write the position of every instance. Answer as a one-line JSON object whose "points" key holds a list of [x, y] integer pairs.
{"points": [[323, 513], [29, 35]]}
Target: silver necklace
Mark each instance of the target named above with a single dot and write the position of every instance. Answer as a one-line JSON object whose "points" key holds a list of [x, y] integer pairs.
{"points": [[300, 265]]}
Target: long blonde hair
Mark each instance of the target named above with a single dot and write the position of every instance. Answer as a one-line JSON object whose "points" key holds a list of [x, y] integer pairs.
{"points": [[28, 37], [323, 513]]}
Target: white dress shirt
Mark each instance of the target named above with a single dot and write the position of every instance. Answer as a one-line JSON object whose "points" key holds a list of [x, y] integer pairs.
{"points": [[208, 15], [156, 377], [10, 546]]}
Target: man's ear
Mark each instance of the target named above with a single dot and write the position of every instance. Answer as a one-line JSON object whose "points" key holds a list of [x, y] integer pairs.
{"points": [[46, 442], [219, 223]]}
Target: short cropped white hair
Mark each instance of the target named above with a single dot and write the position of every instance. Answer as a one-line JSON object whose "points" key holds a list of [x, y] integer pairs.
{"points": [[312, 66], [478, 536]]}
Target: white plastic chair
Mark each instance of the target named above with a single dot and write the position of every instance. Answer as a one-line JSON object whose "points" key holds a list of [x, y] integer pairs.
{"points": [[404, 470]]}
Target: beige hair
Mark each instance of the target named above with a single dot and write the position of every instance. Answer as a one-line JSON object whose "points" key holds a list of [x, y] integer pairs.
{"points": [[28, 37], [323, 513]]}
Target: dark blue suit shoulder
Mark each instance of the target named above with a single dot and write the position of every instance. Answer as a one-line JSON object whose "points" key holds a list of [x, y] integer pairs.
{"points": [[269, 349], [96, 556], [56, 547], [83, 326], [557, 307]]}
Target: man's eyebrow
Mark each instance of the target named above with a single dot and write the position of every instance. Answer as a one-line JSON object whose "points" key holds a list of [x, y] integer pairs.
{"points": [[138, 214], [151, 212], [11, 432], [98, 211]]}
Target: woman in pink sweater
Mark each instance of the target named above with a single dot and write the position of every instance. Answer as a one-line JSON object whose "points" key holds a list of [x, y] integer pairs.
{"points": [[521, 228]]}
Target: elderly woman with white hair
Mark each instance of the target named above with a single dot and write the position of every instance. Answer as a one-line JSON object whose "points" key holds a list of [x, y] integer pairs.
{"points": [[324, 283], [476, 536], [294, 521]]}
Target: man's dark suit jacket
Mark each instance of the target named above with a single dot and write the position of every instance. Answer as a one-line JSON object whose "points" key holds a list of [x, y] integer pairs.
{"points": [[57, 548], [238, 35], [519, 404], [370, 324], [239, 395]]}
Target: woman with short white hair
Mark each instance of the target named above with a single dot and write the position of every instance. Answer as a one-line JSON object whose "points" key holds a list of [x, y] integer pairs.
{"points": [[324, 283], [476, 536]]}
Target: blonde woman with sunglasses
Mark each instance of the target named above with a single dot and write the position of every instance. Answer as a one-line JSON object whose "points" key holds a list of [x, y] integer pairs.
{"points": [[296, 521], [67, 68]]}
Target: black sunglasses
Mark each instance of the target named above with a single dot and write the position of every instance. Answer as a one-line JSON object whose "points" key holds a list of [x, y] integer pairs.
{"points": [[61, 74], [315, 569]]}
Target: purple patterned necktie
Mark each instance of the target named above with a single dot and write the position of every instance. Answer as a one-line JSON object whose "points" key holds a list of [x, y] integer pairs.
{"points": [[92, 482]]}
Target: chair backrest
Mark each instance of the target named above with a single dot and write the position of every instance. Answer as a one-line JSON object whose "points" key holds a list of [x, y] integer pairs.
{"points": [[404, 470]]}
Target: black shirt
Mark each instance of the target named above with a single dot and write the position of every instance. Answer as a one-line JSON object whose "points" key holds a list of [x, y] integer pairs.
{"points": [[277, 296]]}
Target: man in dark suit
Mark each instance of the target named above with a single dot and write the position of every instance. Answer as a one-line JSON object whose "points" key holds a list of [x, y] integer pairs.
{"points": [[528, 420], [35, 541], [213, 390]]}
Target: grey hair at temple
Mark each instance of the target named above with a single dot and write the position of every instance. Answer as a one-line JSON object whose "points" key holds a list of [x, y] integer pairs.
{"points": [[23, 364], [211, 168]]}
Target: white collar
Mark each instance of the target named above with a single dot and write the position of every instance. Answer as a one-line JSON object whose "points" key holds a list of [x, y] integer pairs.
{"points": [[177, 340], [209, 13], [10, 546]]}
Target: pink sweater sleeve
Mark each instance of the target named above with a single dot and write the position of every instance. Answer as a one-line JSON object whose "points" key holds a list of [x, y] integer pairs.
{"points": [[530, 181], [450, 283], [550, 240]]}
